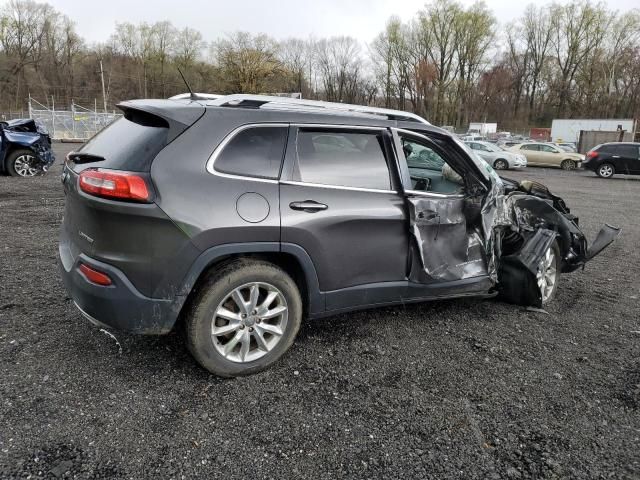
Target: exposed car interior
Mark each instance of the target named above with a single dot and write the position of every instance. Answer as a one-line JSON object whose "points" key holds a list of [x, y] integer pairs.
{"points": [[447, 229], [429, 171]]}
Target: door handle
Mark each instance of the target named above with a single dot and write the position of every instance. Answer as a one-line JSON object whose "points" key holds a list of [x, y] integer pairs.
{"points": [[310, 206], [615, 156]]}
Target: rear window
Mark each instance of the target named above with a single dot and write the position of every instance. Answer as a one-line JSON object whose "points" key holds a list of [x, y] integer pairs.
{"points": [[254, 152], [130, 143]]}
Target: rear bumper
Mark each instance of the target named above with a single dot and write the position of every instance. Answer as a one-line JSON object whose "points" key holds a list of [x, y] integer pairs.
{"points": [[120, 305]]}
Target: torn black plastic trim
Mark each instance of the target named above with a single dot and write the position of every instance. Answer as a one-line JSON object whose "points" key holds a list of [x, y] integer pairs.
{"points": [[517, 274], [605, 237]]}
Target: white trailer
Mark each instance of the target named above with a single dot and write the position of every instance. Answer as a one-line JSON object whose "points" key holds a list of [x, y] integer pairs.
{"points": [[568, 130], [483, 129]]}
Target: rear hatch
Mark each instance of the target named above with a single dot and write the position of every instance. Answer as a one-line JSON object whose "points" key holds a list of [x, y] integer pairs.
{"points": [[129, 232]]}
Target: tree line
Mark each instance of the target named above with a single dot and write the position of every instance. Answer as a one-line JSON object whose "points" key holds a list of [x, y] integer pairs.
{"points": [[450, 63]]}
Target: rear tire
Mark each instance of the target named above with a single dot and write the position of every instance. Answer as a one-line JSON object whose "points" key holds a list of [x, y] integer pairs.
{"points": [[501, 164], [231, 333], [606, 170], [568, 165], [19, 163]]}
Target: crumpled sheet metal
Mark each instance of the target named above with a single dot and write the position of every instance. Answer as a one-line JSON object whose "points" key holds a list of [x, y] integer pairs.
{"points": [[494, 213], [447, 250], [521, 213]]}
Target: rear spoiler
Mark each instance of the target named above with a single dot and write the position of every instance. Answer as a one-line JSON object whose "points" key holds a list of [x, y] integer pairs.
{"points": [[177, 116]]}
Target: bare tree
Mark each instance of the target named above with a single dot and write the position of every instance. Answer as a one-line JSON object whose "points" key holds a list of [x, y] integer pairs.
{"points": [[248, 63]]}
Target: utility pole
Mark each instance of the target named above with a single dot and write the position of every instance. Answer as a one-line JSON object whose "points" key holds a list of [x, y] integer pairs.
{"points": [[104, 96]]}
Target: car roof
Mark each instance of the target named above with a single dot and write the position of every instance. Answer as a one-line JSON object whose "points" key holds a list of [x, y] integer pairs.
{"points": [[246, 109], [312, 106]]}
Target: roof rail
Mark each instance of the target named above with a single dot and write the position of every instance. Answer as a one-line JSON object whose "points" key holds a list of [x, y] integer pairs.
{"points": [[201, 96], [284, 103]]}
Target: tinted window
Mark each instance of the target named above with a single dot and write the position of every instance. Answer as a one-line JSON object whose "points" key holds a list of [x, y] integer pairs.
{"points": [[342, 158], [128, 144], [628, 151], [254, 152], [530, 147]]}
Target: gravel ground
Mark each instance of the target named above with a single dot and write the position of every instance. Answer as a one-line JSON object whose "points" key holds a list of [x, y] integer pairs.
{"points": [[456, 389]]}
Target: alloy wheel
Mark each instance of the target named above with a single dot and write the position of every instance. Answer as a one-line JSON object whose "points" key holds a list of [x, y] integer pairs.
{"points": [[23, 166], [568, 165], [500, 165], [249, 322], [605, 171], [547, 274]]}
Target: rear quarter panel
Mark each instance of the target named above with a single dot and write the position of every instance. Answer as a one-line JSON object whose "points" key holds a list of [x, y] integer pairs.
{"points": [[204, 205]]}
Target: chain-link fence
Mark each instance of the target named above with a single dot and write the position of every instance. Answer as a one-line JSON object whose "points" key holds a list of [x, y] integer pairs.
{"points": [[13, 115], [79, 123]]}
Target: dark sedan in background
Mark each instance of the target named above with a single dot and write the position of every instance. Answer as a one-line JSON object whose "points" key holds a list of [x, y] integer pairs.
{"points": [[25, 148]]}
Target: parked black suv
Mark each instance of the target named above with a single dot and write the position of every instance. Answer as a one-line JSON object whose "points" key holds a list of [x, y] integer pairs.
{"points": [[610, 158], [241, 215]]}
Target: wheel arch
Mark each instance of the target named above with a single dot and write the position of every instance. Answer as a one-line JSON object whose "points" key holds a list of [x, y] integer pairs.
{"points": [[292, 258], [12, 147]]}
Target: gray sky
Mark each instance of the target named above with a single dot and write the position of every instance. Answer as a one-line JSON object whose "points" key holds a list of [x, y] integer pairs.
{"points": [[362, 19]]}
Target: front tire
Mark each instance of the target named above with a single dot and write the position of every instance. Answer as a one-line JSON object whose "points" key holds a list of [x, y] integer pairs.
{"points": [[568, 165], [20, 163], [605, 170], [501, 164], [548, 273], [244, 317]]}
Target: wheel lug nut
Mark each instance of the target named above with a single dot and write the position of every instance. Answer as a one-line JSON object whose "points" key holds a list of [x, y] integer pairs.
{"points": [[258, 320], [254, 312], [244, 315], [241, 327], [251, 329]]}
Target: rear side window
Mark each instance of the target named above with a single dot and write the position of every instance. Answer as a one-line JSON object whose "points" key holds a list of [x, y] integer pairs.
{"points": [[254, 152], [628, 151], [129, 143], [342, 158], [547, 148], [531, 147], [617, 149]]}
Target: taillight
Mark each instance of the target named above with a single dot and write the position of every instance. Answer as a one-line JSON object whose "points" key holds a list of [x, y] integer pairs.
{"points": [[592, 154], [95, 276], [114, 184]]}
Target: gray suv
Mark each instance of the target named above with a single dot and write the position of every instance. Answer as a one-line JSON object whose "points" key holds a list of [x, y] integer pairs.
{"points": [[236, 217]]}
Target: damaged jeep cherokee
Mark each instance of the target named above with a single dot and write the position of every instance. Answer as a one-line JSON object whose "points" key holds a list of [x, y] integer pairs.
{"points": [[236, 217]]}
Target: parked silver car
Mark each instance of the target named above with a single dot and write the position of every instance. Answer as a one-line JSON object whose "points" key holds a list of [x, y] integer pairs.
{"points": [[497, 157]]}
